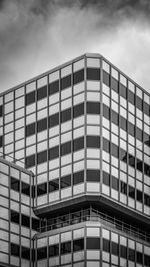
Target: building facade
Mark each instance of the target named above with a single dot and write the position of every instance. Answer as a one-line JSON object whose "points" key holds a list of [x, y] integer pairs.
{"points": [[83, 130]]}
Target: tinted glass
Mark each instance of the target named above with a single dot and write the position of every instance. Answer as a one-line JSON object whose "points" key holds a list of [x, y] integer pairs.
{"points": [[78, 144], [78, 110], [106, 178], [131, 192], [114, 248], [93, 243], [25, 220], [15, 250], [41, 253], [114, 150], [53, 87], [30, 98], [123, 188], [53, 120], [93, 107], [53, 152], [65, 181], [41, 189], [78, 244], [106, 78], [30, 161], [42, 125], [78, 76], [123, 123], [114, 84], [93, 74], [66, 82], [123, 91], [115, 183], [25, 188], [42, 92], [114, 117], [139, 196], [139, 103], [54, 250], [1, 111], [123, 252], [106, 112], [78, 177], [66, 115], [146, 109], [131, 97], [25, 253], [106, 245], [15, 184], [15, 217], [93, 175], [35, 224], [106, 145], [53, 185], [42, 157], [1, 141], [66, 247], [30, 129], [65, 148], [131, 129], [93, 141]]}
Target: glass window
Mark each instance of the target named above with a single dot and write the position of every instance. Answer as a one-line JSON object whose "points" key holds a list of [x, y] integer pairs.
{"points": [[53, 152], [93, 141], [65, 82], [93, 175], [93, 74], [42, 125], [106, 178], [66, 247], [25, 188], [114, 150], [78, 177], [65, 148], [131, 192], [115, 183], [78, 76], [42, 92], [114, 117], [93, 243], [139, 257], [106, 112], [53, 120], [78, 144], [53, 87], [123, 187], [66, 115], [1, 111], [78, 110], [30, 161], [15, 217], [30, 98], [139, 103], [114, 248], [123, 91], [30, 129], [114, 84], [54, 250], [106, 245], [131, 254], [25, 220], [41, 189], [131, 97], [54, 185], [93, 107], [15, 250], [106, 145], [139, 196], [15, 184], [78, 244], [41, 253], [1, 141], [25, 253], [65, 181], [123, 123], [106, 78]]}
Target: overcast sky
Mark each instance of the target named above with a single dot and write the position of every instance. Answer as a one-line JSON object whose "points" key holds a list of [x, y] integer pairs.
{"points": [[37, 35]]}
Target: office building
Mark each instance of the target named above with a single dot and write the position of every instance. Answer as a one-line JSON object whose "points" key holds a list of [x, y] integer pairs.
{"points": [[82, 133]]}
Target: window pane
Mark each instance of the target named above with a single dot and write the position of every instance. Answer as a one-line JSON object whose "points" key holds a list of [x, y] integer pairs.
{"points": [[30, 98], [93, 243], [53, 185], [93, 74], [78, 76], [78, 177], [78, 244], [93, 176], [93, 107]]}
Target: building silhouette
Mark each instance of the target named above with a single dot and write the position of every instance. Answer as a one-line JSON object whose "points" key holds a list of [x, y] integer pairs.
{"points": [[75, 169]]}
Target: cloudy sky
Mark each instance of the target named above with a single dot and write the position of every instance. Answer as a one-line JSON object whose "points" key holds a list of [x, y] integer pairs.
{"points": [[37, 35]]}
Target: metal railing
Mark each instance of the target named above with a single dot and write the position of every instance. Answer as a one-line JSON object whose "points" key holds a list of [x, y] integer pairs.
{"points": [[96, 216]]}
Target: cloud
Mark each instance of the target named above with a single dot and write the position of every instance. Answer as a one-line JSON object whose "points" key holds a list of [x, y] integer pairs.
{"points": [[37, 35]]}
